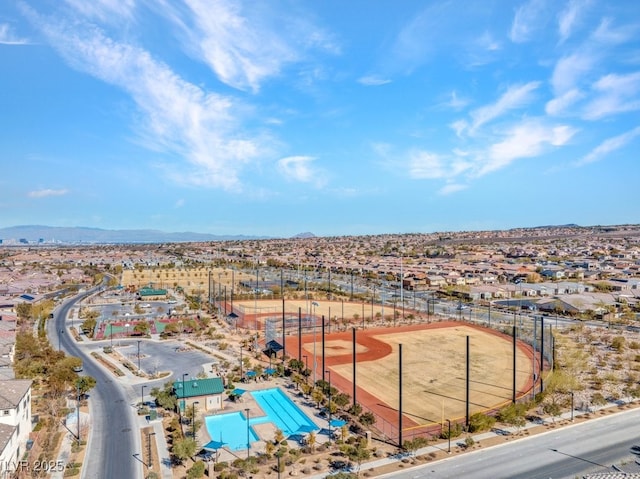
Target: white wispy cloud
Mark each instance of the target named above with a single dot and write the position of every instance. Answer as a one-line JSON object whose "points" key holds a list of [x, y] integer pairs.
{"points": [[515, 97], [608, 146], [459, 126], [455, 102], [608, 34], [525, 140], [559, 105], [614, 94], [244, 45], [568, 18], [109, 11], [373, 80], [426, 165], [526, 20], [176, 117], [488, 42], [8, 37], [482, 50], [570, 70], [301, 169], [47, 192]]}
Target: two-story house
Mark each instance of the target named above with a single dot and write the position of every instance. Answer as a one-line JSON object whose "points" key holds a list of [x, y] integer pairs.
{"points": [[15, 419]]}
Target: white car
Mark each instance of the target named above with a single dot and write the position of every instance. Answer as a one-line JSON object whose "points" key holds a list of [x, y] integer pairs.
{"points": [[146, 306]]}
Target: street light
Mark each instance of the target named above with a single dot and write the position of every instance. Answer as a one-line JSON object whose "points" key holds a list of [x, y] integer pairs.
{"points": [[111, 334], [329, 403], [449, 437], [314, 305], [248, 442], [60, 333], [139, 355], [142, 397]]}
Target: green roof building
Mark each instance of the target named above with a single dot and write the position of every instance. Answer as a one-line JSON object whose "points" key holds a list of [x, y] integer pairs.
{"points": [[151, 292], [206, 392]]}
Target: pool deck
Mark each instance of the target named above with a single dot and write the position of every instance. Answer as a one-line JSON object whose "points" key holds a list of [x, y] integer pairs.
{"points": [[265, 431]]}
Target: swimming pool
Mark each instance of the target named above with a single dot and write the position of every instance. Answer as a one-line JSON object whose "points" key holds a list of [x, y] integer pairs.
{"points": [[283, 412], [230, 430]]}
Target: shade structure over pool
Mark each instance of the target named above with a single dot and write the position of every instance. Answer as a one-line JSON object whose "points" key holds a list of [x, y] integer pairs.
{"points": [[337, 423], [251, 374], [214, 445], [238, 392], [270, 371], [306, 428]]}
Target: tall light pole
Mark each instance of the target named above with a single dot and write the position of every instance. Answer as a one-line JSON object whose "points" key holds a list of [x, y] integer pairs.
{"points": [[248, 442], [255, 307], [315, 359], [142, 396], [515, 309], [329, 403], [60, 333], [139, 355], [78, 410], [401, 285], [449, 436], [111, 335]]}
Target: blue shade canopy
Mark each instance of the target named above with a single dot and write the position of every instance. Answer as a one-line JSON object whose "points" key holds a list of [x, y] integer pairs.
{"points": [[306, 428], [214, 445], [337, 423]]}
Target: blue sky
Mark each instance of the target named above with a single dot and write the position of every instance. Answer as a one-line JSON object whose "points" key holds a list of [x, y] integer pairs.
{"points": [[338, 118]]}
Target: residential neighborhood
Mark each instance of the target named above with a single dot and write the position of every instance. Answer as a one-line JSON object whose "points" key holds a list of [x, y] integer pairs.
{"points": [[589, 274]]}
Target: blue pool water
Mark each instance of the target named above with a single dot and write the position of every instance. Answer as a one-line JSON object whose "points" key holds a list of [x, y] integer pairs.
{"points": [[230, 430], [283, 412]]}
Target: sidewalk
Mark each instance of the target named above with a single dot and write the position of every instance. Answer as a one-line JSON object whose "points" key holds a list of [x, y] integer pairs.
{"points": [[161, 445], [64, 454], [455, 442]]}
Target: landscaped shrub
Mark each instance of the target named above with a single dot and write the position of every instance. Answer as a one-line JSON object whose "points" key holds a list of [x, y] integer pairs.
{"points": [[196, 471], [481, 422]]}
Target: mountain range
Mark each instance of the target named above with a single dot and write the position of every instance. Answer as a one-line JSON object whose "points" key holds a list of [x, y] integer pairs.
{"points": [[31, 234]]}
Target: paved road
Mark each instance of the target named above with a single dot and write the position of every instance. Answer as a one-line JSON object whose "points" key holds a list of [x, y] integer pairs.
{"points": [[587, 448], [114, 434]]}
